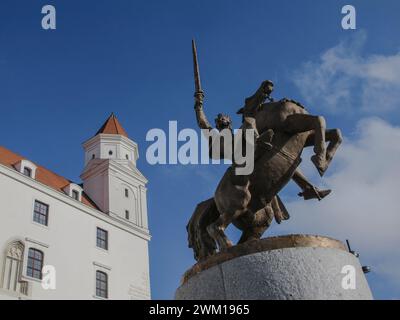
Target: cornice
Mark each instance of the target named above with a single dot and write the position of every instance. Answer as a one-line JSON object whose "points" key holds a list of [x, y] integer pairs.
{"points": [[98, 166]]}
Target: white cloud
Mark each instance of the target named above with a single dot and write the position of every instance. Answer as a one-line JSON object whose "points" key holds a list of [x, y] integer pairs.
{"points": [[343, 80], [365, 203]]}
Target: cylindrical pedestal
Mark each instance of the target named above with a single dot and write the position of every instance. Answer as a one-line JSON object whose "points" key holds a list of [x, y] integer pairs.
{"points": [[278, 268]]}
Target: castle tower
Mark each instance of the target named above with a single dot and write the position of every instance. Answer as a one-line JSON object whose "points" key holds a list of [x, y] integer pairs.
{"points": [[110, 177]]}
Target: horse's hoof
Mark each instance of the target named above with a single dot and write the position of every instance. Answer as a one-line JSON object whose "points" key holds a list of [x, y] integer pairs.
{"points": [[321, 168], [314, 193], [324, 193]]}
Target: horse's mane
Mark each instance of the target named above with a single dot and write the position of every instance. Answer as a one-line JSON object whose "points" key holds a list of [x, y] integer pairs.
{"points": [[292, 101]]}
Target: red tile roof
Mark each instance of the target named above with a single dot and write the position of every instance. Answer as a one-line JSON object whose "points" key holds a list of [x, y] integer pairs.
{"points": [[43, 175], [112, 126]]}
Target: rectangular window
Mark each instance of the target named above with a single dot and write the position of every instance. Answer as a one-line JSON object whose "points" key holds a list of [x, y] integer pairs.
{"points": [[75, 194], [126, 193], [35, 264], [101, 284], [102, 239], [126, 214], [41, 213], [28, 172]]}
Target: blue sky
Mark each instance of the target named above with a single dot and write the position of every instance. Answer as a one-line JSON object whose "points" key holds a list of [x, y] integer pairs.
{"points": [[134, 58]]}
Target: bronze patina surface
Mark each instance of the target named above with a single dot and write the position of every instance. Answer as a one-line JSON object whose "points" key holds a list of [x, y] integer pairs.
{"points": [[266, 244], [279, 130]]}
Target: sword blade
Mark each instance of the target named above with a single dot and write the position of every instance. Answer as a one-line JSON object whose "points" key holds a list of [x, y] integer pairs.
{"points": [[197, 82]]}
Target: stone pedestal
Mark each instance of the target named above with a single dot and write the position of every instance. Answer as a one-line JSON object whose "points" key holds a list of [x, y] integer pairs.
{"points": [[278, 268]]}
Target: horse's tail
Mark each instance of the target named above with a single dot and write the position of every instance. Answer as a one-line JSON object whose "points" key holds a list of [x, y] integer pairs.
{"points": [[199, 240]]}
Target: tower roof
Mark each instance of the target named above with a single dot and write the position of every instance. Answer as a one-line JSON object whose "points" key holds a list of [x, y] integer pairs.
{"points": [[112, 126]]}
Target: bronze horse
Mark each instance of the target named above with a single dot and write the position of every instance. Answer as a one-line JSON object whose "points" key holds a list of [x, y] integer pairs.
{"points": [[284, 128], [251, 203]]}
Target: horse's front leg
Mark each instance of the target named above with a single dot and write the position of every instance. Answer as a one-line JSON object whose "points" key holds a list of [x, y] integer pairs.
{"points": [[299, 123], [334, 136], [334, 139]]}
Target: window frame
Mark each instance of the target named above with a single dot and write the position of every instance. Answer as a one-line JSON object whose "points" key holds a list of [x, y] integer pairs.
{"points": [[101, 240], [27, 172], [75, 195], [31, 270], [39, 214], [102, 291]]}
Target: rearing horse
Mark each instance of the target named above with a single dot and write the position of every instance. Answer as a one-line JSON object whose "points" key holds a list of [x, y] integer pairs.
{"points": [[285, 128], [251, 205]]}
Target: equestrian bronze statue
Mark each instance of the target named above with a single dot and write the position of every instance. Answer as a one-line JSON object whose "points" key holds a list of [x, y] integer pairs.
{"points": [[282, 129]]}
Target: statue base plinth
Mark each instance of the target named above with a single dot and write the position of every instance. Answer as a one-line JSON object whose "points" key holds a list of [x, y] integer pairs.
{"points": [[278, 268]]}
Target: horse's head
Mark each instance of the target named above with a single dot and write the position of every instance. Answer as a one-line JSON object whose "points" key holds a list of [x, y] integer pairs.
{"points": [[262, 93], [267, 87]]}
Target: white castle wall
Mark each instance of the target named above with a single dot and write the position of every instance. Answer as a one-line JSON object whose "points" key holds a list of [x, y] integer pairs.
{"points": [[69, 242]]}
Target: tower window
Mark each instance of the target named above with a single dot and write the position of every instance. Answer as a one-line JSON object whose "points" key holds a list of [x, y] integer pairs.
{"points": [[101, 284], [75, 195], [41, 213], [35, 263], [127, 214], [102, 239], [93, 156], [126, 193], [110, 152], [28, 172], [127, 157]]}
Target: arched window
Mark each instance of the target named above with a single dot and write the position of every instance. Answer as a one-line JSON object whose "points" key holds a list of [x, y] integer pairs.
{"points": [[35, 263], [101, 284], [13, 262]]}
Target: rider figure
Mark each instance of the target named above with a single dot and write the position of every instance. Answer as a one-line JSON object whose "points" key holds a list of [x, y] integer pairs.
{"points": [[249, 111]]}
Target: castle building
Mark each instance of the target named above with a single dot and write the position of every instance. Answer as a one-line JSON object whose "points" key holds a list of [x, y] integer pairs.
{"points": [[64, 240]]}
